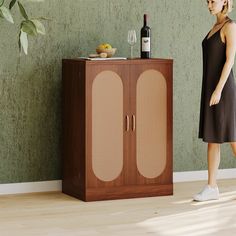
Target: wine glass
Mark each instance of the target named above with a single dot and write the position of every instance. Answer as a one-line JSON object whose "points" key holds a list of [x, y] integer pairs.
{"points": [[132, 39]]}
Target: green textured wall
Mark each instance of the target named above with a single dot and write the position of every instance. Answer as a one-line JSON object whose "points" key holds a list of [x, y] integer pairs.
{"points": [[30, 87]]}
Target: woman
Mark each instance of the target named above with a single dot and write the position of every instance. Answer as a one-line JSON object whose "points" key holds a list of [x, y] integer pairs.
{"points": [[218, 97]]}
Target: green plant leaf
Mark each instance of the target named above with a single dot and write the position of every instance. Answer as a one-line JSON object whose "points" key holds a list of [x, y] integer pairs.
{"points": [[1, 2], [19, 44], [24, 41], [28, 27], [42, 18], [12, 3], [22, 11], [6, 14], [39, 27], [1, 15]]}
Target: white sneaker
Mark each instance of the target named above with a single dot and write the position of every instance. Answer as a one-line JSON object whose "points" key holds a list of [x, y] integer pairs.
{"points": [[208, 193]]}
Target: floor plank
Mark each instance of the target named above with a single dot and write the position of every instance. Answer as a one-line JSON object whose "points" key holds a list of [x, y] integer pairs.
{"points": [[59, 214]]}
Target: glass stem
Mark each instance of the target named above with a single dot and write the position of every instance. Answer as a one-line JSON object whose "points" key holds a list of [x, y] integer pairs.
{"points": [[131, 51]]}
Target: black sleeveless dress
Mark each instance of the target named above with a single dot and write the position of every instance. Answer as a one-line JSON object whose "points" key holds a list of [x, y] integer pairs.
{"points": [[217, 123]]}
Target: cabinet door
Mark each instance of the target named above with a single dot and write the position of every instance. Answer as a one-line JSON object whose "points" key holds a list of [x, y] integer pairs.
{"points": [[151, 122], [106, 136]]}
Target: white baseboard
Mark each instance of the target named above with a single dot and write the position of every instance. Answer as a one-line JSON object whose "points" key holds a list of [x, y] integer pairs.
{"points": [[30, 187], [188, 176], [56, 185]]}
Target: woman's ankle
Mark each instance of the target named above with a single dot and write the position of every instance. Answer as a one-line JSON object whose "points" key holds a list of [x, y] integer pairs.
{"points": [[212, 185]]}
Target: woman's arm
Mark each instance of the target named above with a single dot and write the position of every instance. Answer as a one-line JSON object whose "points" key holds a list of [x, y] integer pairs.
{"points": [[230, 36]]}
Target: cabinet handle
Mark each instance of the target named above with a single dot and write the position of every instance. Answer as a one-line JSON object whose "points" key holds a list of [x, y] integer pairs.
{"points": [[133, 122], [127, 122]]}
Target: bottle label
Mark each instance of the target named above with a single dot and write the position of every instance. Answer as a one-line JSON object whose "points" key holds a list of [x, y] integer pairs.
{"points": [[146, 45]]}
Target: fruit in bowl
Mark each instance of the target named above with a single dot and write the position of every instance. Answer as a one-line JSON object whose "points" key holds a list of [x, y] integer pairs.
{"points": [[106, 48]]}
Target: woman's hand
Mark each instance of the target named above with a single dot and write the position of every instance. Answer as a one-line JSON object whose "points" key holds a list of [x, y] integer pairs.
{"points": [[215, 97]]}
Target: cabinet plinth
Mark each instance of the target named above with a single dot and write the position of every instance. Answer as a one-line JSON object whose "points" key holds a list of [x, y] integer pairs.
{"points": [[117, 128]]}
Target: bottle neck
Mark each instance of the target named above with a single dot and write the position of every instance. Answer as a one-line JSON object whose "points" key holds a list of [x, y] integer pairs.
{"points": [[145, 20]]}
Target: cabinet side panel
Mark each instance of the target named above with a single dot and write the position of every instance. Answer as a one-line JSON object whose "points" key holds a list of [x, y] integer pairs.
{"points": [[170, 121], [73, 181]]}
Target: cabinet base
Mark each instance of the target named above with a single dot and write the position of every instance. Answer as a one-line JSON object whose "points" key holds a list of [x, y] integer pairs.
{"points": [[123, 192]]}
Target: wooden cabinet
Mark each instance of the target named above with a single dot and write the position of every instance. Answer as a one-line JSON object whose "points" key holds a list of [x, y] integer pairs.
{"points": [[117, 128]]}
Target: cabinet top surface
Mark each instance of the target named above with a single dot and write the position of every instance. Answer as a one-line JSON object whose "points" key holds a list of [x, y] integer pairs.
{"points": [[128, 61]]}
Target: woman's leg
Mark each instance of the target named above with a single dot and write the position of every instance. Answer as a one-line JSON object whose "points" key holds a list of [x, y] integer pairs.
{"points": [[213, 156], [233, 146], [211, 191]]}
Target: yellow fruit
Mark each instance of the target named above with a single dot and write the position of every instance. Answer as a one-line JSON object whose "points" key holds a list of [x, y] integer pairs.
{"points": [[108, 46], [101, 46], [104, 46]]}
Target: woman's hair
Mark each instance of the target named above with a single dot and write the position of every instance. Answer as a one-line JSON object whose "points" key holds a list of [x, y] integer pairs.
{"points": [[228, 7]]}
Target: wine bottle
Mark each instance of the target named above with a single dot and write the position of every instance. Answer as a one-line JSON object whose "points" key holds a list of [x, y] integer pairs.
{"points": [[145, 46]]}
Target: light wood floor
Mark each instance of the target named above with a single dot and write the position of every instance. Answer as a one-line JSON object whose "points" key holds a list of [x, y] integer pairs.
{"points": [[57, 214]]}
